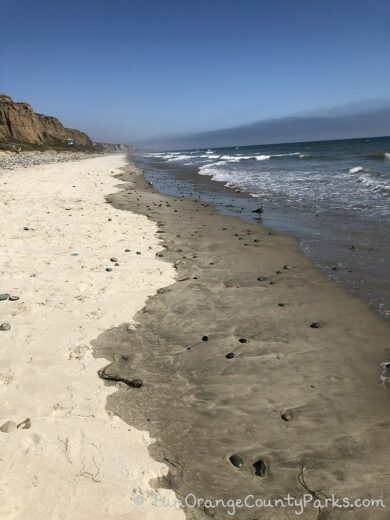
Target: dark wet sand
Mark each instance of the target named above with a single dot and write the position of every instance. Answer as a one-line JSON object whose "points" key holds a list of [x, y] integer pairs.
{"points": [[202, 407]]}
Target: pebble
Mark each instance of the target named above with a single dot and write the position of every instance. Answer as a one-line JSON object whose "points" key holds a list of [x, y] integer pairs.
{"points": [[5, 326], [243, 340], [25, 425], [138, 252], [108, 269], [286, 416], [8, 427], [281, 304], [237, 461], [127, 250], [4, 296], [260, 468], [261, 278], [205, 338], [230, 355], [116, 264], [136, 383], [315, 325], [286, 267], [13, 298], [74, 254], [113, 259]]}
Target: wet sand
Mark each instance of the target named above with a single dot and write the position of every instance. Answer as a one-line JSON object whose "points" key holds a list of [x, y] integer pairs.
{"points": [[308, 350]]}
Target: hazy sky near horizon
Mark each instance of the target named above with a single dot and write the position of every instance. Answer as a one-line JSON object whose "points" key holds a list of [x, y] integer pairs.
{"points": [[127, 70]]}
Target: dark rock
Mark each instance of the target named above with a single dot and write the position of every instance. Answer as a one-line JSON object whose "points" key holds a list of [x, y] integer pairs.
{"points": [[5, 326], [74, 254], [286, 416], [135, 383], [116, 264], [205, 338], [261, 278], [237, 461], [127, 250], [286, 267], [138, 252], [4, 296], [113, 259], [260, 468], [278, 272], [230, 355], [315, 325], [243, 340], [13, 298], [108, 269], [281, 304]]}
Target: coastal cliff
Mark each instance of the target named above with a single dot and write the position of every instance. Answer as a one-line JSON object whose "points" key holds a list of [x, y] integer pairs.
{"points": [[20, 124]]}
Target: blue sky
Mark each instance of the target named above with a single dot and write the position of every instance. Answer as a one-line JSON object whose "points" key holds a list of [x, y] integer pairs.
{"points": [[124, 70]]}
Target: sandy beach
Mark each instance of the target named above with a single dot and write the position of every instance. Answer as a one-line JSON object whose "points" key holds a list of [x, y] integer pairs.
{"points": [[63, 456], [244, 350]]}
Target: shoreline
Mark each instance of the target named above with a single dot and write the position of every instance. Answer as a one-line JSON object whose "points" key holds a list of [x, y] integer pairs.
{"points": [[63, 454], [340, 246], [203, 407]]}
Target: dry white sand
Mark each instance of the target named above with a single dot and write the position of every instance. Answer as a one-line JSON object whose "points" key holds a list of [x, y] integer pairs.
{"points": [[77, 460]]}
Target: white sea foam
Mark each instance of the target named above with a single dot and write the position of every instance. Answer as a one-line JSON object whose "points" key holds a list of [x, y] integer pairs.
{"points": [[387, 155], [180, 158], [374, 184], [357, 169]]}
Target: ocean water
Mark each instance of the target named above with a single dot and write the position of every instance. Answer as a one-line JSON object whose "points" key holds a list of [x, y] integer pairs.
{"points": [[334, 196]]}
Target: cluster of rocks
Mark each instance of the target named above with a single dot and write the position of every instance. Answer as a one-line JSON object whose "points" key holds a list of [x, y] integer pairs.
{"points": [[10, 161]]}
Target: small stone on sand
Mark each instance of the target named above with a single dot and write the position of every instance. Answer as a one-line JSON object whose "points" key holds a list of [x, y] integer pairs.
{"points": [[230, 355], [113, 259], [237, 461], [286, 416], [25, 425], [8, 427], [260, 468], [315, 325], [4, 296], [205, 338], [5, 326], [243, 340], [135, 383], [108, 269], [261, 278]]}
